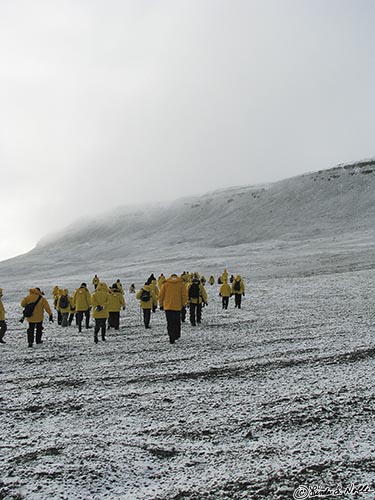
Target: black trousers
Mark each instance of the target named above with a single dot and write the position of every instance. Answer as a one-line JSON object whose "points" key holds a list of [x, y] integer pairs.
{"points": [[173, 325], [59, 318], [3, 328], [114, 320], [225, 302], [183, 314], [79, 318], [100, 324], [237, 300], [38, 327], [195, 313], [146, 317]]}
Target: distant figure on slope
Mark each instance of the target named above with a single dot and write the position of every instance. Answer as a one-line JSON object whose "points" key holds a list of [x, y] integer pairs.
{"points": [[155, 294], [3, 325], [161, 280], [132, 288], [238, 290], [119, 286], [99, 301], [116, 302], [224, 276], [211, 280], [231, 279], [172, 298], [82, 304], [197, 297], [64, 307], [145, 295], [56, 298], [225, 293], [36, 319], [95, 281]]}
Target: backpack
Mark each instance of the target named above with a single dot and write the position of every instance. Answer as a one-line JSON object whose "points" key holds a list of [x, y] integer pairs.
{"points": [[194, 291], [145, 295], [237, 286], [64, 302], [29, 308]]}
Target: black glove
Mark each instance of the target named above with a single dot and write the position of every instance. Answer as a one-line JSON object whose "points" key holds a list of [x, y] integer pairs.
{"points": [[243, 295], [51, 318]]}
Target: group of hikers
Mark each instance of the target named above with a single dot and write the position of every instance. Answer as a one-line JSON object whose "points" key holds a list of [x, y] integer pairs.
{"points": [[173, 295]]}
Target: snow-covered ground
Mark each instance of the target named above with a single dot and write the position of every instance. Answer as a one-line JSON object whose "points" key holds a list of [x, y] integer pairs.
{"points": [[250, 405]]}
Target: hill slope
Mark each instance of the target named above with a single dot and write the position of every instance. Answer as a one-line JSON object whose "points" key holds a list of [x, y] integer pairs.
{"points": [[332, 203]]}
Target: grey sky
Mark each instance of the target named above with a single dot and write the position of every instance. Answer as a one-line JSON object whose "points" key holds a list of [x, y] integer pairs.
{"points": [[107, 102]]}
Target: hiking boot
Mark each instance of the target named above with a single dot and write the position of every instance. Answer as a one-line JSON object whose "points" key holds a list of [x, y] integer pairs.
{"points": [[96, 340]]}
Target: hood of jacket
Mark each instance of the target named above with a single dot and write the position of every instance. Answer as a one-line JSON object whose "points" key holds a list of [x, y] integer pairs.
{"points": [[35, 291], [102, 287]]}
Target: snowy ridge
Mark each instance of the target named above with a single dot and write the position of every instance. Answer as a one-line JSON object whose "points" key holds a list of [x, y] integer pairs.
{"points": [[329, 204]]}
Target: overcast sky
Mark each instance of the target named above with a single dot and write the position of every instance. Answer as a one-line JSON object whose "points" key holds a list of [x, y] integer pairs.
{"points": [[110, 102]]}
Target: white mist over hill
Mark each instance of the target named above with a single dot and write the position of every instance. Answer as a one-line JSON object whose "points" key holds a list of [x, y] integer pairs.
{"points": [[328, 209]]}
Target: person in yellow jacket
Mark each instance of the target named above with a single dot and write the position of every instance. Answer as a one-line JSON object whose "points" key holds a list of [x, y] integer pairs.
{"points": [[116, 302], [64, 307], [56, 298], [82, 305], [95, 281], [3, 325], [225, 292], [119, 286], [197, 296], [99, 302], [211, 280], [36, 319], [172, 298], [238, 290], [147, 300], [161, 280], [224, 276], [155, 294]]}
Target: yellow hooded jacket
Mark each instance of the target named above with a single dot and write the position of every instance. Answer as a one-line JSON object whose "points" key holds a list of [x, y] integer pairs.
{"points": [[202, 295], [146, 304], [41, 306], [2, 310], [82, 299], [115, 301], [242, 285], [225, 290], [100, 298], [173, 294]]}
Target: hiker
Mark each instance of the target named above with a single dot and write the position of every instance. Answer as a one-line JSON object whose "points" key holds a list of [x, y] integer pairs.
{"points": [[116, 302], [35, 320], [155, 294], [147, 300], [197, 297], [3, 325], [224, 276], [161, 280], [99, 302], [225, 293], [119, 286], [203, 280], [231, 279], [238, 290], [64, 307], [56, 298], [211, 280], [132, 288], [172, 297], [82, 304], [95, 281], [72, 310]]}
